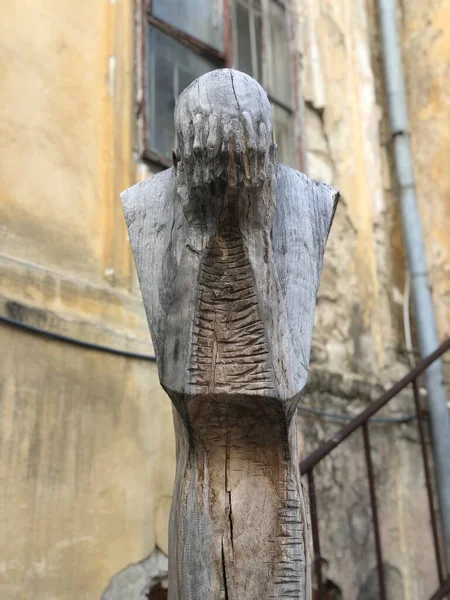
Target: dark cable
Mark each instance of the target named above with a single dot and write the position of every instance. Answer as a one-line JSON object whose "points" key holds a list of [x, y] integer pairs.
{"points": [[76, 342], [322, 413]]}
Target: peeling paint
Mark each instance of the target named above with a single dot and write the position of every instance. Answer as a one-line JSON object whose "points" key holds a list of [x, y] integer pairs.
{"points": [[135, 581]]}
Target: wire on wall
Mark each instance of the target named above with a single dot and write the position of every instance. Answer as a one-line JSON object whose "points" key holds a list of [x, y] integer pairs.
{"points": [[148, 357]]}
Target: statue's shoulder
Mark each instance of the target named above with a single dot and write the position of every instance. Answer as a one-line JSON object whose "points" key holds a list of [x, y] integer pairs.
{"points": [[153, 196], [150, 209], [302, 195]]}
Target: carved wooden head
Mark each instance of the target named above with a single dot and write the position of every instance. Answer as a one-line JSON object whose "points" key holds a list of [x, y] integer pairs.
{"points": [[223, 124]]}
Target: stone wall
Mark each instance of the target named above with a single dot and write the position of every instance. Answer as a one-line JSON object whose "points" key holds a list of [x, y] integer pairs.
{"points": [[359, 343], [357, 325], [345, 519]]}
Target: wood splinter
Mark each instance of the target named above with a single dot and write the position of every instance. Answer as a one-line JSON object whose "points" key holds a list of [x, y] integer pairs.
{"points": [[228, 246]]}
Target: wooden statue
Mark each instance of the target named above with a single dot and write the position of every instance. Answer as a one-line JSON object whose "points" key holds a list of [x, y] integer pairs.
{"points": [[228, 246]]}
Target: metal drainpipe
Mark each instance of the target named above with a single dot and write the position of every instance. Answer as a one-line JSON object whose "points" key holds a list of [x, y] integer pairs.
{"points": [[423, 302]]}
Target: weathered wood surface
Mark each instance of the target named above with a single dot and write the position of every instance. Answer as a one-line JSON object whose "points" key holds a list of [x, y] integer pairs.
{"points": [[228, 246]]}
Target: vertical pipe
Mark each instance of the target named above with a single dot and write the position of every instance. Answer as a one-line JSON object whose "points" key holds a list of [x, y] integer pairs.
{"points": [[423, 302], [373, 503], [315, 533], [426, 468]]}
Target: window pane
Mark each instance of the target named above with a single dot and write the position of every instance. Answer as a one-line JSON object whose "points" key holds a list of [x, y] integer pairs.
{"points": [[172, 67], [201, 19], [284, 135], [280, 79], [259, 46], [244, 45]]}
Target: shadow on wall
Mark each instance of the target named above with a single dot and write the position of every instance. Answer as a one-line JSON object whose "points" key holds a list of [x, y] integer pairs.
{"points": [[369, 589], [394, 584], [145, 580], [332, 592]]}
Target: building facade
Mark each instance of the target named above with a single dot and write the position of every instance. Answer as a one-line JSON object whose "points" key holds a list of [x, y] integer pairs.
{"points": [[87, 96]]}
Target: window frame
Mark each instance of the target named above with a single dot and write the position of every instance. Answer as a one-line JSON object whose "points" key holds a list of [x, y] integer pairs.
{"points": [[222, 59], [145, 17], [264, 12]]}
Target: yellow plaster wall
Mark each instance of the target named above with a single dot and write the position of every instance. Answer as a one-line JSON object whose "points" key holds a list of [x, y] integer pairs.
{"points": [[52, 114], [65, 118], [348, 144], [86, 442], [354, 326], [426, 37]]}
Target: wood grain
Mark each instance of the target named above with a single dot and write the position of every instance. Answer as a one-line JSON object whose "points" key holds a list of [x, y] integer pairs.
{"points": [[228, 246]]}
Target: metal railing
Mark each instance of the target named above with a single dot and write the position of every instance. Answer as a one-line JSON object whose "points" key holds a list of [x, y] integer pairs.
{"points": [[362, 422]]}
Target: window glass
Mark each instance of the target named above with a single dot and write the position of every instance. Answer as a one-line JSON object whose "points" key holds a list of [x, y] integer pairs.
{"points": [[243, 42], [248, 37], [268, 60], [171, 68], [201, 19], [251, 53], [259, 46], [283, 134], [280, 80]]}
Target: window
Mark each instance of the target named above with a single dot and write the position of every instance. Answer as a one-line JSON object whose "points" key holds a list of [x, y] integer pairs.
{"points": [[184, 39], [267, 61], [202, 19], [171, 69]]}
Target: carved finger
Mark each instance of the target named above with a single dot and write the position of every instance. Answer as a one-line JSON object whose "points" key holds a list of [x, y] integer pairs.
{"points": [[237, 133], [188, 139], [239, 147], [239, 144], [213, 145], [214, 137], [198, 146], [232, 162], [229, 153], [227, 149], [261, 152], [249, 152], [222, 162]]}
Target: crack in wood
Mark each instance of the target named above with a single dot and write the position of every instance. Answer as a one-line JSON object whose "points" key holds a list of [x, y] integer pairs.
{"points": [[224, 574]]}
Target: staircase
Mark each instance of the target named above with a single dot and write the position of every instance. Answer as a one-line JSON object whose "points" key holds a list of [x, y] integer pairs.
{"points": [[362, 423]]}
